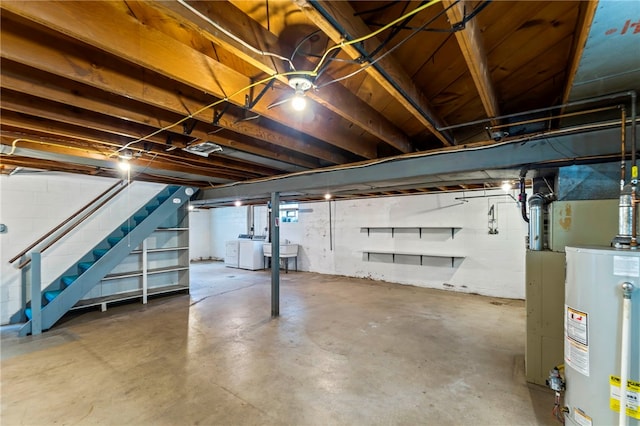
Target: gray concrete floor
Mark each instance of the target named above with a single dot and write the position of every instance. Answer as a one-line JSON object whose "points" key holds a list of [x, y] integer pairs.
{"points": [[344, 351]]}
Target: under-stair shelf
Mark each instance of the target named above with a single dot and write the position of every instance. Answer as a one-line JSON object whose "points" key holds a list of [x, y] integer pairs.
{"points": [[157, 250], [453, 229], [149, 272], [421, 255], [130, 295]]}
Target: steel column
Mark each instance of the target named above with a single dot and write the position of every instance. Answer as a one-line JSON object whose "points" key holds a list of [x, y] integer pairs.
{"points": [[36, 293], [275, 254]]}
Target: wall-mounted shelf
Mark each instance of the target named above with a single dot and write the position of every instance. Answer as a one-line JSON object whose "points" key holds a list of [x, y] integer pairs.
{"points": [[453, 229], [421, 255]]}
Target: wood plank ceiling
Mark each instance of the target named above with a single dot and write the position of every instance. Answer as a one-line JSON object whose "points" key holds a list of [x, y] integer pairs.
{"points": [[84, 83]]}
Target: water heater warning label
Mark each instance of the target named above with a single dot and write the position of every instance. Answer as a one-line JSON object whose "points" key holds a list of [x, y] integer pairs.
{"points": [[576, 340], [633, 396], [626, 266]]}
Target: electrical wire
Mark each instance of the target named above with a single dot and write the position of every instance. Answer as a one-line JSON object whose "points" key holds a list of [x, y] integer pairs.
{"points": [[226, 98], [15, 143], [388, 52], [233, 36]]}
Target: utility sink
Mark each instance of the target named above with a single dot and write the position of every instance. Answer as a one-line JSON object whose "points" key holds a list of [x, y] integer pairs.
{"points": [[286, 250]]}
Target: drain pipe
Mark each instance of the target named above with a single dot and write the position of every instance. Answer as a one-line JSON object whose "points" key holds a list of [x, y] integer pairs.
{"points": [[522, 197]]}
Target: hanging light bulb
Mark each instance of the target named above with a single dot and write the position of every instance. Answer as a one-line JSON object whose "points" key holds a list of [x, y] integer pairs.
{"points": [[327, 196], [124, 165], [506, 186], [237, 203], [298, 102], [299, 83]]}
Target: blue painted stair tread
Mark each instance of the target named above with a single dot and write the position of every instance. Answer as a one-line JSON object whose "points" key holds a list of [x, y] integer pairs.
{"points": [[50, 295], [69, 279], [114, 240], [98, 253], [127, 228], [151, 208], [162, 198], [28, 313], [139, 218], [83, 266]]}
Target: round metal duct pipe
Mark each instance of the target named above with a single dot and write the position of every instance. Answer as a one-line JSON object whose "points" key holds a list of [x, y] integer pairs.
{"points": [[536, 222]]}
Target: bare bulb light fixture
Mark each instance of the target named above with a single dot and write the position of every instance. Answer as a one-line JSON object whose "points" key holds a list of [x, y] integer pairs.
{"points": [[124, 165], [506, 186], [299, 83]]}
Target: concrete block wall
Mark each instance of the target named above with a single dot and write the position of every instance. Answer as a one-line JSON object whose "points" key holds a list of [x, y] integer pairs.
{"points": [[494, 264], [32, 204]]}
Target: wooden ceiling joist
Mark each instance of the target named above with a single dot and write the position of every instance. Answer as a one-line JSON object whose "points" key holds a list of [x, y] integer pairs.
{"points": [[335, 97], [402, 88], [168, 57], [24, 51], [472, 47]]}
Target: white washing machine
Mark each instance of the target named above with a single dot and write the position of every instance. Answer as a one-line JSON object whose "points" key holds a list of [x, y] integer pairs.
{"points": [[251, 255], [232, 253]]}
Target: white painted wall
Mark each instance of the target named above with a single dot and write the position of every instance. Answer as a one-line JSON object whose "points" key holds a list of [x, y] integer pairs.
{"points": [[200, 234], [32, 204], [494, 264]]}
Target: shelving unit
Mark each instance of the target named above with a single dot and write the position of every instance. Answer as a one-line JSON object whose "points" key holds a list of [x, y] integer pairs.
{"points": [[420, 254], [395, 253], [454, 229], [159, 265]]}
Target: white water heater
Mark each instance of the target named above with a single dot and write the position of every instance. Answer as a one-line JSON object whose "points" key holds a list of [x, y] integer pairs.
{"points": [[593, 336]]}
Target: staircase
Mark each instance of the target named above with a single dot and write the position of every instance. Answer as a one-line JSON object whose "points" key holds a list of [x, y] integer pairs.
{"points": [[65, 291]]}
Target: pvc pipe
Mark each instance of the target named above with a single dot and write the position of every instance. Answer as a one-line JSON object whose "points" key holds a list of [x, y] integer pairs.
{"points": [[627, 288]]}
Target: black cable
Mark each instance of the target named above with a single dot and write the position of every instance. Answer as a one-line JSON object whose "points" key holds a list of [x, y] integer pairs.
{"points": [[456, 27]]}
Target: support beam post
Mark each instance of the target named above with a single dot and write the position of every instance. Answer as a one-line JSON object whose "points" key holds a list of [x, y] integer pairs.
{"points": [[36, 296], [275, 254]]}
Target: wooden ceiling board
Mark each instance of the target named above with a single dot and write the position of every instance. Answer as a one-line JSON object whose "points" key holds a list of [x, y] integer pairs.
{"points": [[441, 69], [549, 73], [543, 30], [500, 19]]}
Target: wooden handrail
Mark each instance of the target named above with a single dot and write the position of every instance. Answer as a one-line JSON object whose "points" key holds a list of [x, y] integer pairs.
{"points": [[63, 223]]}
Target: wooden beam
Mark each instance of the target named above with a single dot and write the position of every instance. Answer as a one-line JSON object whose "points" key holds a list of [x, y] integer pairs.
{"points": [[25, 104], [583, 26], [111, 28], [472, 47], [51, 144], [94, 71], [335, 97], [72, 140], [404, 91]]}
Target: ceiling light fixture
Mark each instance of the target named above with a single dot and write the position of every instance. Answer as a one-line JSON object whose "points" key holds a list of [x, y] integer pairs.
{"points": [[203, 149], [237, 203], [124, 165], [327, 196], [506, 186], [299, 83]]}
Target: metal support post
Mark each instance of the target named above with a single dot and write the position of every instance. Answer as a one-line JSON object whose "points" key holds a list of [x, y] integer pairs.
{"points": [[275, 254], [36, 296], [145, 277]]}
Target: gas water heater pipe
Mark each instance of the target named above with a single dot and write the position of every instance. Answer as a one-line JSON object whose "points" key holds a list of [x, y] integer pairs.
{"points": [[627, 289]]}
